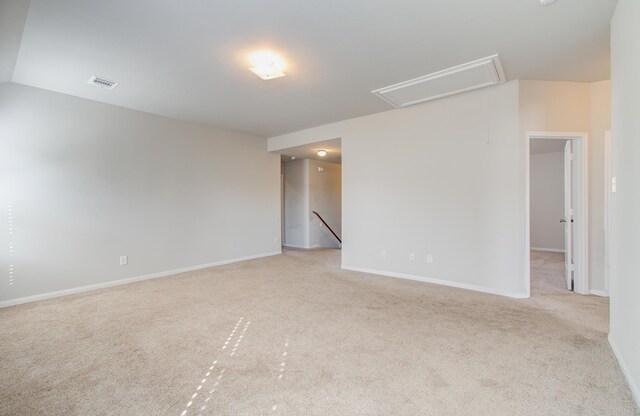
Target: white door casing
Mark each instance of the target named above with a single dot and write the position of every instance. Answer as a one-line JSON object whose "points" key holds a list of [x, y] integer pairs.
{"points": [[580, 231], [609, 190], [568, 214]]}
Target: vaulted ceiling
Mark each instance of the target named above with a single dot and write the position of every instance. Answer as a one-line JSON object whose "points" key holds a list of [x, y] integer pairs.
{"points": [[187, 59]]}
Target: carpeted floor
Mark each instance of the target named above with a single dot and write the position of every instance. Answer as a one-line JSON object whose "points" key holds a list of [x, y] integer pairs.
{"points": [[295, 335], [547, 273]]}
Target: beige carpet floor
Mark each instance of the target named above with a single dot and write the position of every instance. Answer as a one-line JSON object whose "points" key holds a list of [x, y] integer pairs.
{"points": [[295, 335], [547, 273]]}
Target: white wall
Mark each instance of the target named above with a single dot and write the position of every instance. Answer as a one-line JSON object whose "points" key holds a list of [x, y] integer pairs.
{"points": [[296, 204], [547, 201], [89, 182], [440, 178], [625, 284], [325, 197]]}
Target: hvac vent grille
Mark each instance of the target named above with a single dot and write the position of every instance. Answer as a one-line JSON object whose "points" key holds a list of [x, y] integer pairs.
{"points": [[462, 78], [102, 83]]}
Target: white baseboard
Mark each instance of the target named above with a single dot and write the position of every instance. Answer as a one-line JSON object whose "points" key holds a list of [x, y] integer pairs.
{"points": [[601, 293], [43, 296], [315, 246], [635, 391], [295, 246], [551, 250], [437, 282]]}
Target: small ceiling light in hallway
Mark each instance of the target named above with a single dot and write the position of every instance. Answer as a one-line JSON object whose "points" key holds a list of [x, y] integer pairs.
{"points": [[322, 153]]}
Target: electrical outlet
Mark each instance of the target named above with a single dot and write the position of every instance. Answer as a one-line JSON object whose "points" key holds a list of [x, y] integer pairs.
{"points": [[124, 260], [429, 258], [383, 254], [412, 257]]}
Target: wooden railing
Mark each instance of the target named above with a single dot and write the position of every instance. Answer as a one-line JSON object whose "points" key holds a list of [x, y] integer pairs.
{"points": [[327, 225]]}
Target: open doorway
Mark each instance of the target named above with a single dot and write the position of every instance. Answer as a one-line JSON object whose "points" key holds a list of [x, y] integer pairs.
{"points": [[556, 213], [312, 195], [550, 202]]}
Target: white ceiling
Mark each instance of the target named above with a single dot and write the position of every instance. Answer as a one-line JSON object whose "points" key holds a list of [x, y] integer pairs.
{"points": [[12, 17], [546, 146], [187, 59], [310, 151]]}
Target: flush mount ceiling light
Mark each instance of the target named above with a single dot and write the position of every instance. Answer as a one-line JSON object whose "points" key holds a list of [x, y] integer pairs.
{"points": [[322, 153], [546, 2], [267, 65]]}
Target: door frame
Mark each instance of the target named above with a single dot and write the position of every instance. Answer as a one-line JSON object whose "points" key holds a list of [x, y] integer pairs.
{"points": [[580, 143], [608, 213], [568, 213]]}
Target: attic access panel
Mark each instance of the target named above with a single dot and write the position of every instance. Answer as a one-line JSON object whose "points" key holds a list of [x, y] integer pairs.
{"points": [[462, 78]]}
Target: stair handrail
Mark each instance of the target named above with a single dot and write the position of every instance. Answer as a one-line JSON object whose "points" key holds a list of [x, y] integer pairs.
{"points": [[327, 225]]}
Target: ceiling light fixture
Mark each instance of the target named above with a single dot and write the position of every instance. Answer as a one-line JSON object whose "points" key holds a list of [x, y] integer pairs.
{"points": [[322, 153], [546, 2], [267, 65]]}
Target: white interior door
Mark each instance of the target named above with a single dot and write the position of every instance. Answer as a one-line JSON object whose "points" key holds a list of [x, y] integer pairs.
{"points": [[568, 214]]}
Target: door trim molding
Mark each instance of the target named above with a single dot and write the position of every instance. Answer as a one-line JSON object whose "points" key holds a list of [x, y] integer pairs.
{"points": [[580, 142], [608, 209]]}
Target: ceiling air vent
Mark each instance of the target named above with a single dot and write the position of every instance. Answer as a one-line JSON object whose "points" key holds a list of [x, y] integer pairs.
{"points": [[466, 77], [102, 83]]}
